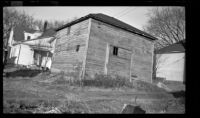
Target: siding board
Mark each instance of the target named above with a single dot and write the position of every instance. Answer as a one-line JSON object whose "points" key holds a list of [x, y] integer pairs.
{"points": [[66, 58]]}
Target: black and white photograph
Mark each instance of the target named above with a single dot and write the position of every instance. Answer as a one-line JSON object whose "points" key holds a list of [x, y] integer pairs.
{"points": [[94, 59]]}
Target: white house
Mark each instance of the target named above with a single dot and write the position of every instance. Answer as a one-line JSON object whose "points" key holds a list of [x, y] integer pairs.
{"points": [[170, 62], [36, 48], [33, 52], [29, 36], [21, 54]]}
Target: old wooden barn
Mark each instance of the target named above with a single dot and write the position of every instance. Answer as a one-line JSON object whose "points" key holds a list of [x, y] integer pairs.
{"points": [[101, 44]]}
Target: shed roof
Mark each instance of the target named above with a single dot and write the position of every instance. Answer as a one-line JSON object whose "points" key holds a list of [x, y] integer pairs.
{"points": [[174, 48], [112, 21]]}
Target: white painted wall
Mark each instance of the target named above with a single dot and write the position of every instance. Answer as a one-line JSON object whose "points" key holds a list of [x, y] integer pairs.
{"points": [[22, 53], [14, 53], [26, 55], [171, 66]]}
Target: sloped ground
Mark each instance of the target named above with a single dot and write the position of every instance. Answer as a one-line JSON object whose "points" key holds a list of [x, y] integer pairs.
{"points": [[52, 94], [175, 85]]}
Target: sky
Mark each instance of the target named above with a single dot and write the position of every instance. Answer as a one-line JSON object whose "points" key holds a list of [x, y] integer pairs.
{"points": [[135, 16]]}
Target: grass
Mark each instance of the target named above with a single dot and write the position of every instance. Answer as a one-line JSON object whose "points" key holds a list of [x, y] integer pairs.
{"points": [[106, 81], [46, 92], [175, 85]]}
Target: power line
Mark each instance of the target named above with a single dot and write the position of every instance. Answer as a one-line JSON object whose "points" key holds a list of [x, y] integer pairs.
{"points": [[122, 11], [126, 12]]}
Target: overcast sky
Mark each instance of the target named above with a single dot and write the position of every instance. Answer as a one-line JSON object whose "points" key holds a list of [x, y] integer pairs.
{"points": [[135, 16]]}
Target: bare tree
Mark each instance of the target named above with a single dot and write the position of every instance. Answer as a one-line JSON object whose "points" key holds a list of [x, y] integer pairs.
{"points": [[11, 18], [167, 24], [56, 24]]}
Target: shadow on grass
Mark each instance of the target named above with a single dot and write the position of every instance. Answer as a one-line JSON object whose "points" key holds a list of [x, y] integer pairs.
{"points": [[180, 97], [178, 94], [23, 73]]}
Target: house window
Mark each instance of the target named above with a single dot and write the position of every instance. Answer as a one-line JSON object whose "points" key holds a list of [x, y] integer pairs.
{"points": [[115, 50], [28, 37], [68, 31], [77, 48]]}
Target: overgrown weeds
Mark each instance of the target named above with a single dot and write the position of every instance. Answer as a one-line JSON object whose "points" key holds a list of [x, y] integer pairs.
{"points": [[106, 81]]}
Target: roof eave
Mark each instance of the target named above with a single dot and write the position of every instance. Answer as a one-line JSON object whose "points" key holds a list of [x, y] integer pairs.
{"points": [[91, 16], [152, 38], [73, 22]]}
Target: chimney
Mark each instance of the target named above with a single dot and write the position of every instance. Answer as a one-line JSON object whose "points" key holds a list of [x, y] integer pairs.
{"points": [[45, 26]]}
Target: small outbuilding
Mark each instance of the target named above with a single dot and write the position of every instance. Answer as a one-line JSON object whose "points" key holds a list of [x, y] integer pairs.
{"points": [[170, 62]]}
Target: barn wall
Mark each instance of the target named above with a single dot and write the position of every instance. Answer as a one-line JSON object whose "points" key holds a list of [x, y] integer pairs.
{"points": [[102, 34], [66, 58]]}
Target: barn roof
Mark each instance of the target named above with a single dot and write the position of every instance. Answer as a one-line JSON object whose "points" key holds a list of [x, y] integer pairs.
{"points": [[112, 21], [174, 48]]}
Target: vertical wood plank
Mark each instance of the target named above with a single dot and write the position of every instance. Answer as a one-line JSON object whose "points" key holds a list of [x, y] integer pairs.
{"points": [[153, 63], [131, 66], [86, 50], [106, 59]]}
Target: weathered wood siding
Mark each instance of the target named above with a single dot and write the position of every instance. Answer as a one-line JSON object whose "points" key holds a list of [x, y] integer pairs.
{"points": [[141, 49], [120, 64], [66, 58]]}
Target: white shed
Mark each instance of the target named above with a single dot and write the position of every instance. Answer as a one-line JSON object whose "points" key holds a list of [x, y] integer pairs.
{"points": [[170, 62]]}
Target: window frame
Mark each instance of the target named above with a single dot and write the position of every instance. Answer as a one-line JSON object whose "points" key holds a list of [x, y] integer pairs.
{"points": [[115, 50], [77, 48], [28, 37]]}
